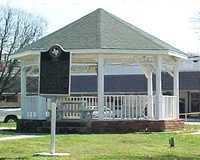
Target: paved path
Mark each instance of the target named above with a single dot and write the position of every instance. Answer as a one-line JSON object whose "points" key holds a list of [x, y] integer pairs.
{"points": [[13, 137], [196, 133], [18, 137], [192, 123], [7, 128]]}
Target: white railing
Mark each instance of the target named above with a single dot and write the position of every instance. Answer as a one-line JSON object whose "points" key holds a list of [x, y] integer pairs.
{"points": [[169, 108], [115, 107], [34, 107], [125, 106], [71, 107], [185, 117]]}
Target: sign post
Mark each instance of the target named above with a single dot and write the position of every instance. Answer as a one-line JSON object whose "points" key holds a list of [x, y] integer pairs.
{"points": [[55, 81], [53, 128]]}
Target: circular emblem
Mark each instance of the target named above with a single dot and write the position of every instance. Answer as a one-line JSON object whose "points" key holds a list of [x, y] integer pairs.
{"points": [[55, 52]]}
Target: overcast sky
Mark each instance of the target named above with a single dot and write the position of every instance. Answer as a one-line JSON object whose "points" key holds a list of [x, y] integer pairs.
{"points": [[169, 20]]}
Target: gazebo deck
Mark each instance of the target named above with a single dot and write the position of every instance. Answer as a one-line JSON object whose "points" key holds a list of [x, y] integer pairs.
{"points": [[122, 113]]}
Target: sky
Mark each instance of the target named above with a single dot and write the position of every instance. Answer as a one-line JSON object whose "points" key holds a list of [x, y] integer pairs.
{"points": [[168, 20]]}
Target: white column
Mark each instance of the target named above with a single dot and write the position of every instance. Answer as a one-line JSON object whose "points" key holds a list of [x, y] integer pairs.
{"points": [[158, 108], [100, 86], [176, 89], [150, 96], [23, 92]]}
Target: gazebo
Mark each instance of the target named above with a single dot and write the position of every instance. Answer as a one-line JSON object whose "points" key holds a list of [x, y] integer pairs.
{"points": [[93, 41]]}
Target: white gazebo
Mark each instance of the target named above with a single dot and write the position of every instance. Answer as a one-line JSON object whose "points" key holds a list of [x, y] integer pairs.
{"points": [[96, 40]]}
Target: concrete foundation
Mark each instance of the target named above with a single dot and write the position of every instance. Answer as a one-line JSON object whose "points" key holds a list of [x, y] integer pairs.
{"points": [[97, 126]]}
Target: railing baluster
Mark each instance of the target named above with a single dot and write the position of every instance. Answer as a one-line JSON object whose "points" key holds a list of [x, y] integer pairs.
{"points": [[136, 105], [117, 107], [110, 105], [121, 104], [141, 103], [114, 108], [92, 101], [88, 101], [125, 107], [165, 109], [140, 107], [174, 115], [105, 108], [170, 106], [129, 105]]}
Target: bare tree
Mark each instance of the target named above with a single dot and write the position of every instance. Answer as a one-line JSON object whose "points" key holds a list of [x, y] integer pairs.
{"points": [[17, 30]]}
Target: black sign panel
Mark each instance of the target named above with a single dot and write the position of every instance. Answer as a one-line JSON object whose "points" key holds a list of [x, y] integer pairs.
{"points": [[55, 72]]}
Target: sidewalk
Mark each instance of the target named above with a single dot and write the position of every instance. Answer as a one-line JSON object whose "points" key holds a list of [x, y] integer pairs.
{"points": [[18, 137], [192, 123], [7, 128]]}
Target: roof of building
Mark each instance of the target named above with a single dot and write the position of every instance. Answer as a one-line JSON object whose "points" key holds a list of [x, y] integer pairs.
{"points": [[101, 30]]}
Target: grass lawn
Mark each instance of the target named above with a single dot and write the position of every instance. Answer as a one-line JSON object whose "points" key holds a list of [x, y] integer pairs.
{"points": [[141, 146], [107, 147], [8, 125], [7, 133]]}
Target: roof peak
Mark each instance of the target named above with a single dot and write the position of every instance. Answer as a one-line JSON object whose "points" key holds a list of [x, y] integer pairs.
{"points": [[99, 9]]}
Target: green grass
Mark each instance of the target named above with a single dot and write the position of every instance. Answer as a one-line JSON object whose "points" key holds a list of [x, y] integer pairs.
{"points": [[7, 133], [8, 125], [191, 128], [141, 146]]}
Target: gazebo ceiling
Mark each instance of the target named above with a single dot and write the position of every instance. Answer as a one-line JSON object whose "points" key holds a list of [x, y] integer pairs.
{"points": [[104, 31]]}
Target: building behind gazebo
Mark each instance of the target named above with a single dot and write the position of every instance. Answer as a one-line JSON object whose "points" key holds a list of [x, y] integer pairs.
{"points": [[95, 41]]}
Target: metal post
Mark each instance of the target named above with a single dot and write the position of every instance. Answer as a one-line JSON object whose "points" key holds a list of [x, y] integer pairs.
{"points": [[53, 128], [53, 134]]}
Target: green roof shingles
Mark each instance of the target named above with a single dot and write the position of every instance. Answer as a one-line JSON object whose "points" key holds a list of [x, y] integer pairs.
{"points": [[101, 30]]}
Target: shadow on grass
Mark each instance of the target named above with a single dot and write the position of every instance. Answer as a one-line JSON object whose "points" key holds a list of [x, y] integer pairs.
{"points": [[116, 157], [17, 158], [8, 132], [136, 157]]}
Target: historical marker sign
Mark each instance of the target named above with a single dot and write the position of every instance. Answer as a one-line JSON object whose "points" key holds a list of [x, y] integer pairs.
{"points": [[55, 72]]}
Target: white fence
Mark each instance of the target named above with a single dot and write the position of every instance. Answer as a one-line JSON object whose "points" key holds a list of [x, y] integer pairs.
{"points": [[34, 107], [72, 107], [126, 106], [115, 107], [170, 111]]}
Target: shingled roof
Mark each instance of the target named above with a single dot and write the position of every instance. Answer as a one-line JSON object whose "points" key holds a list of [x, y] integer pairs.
{"points": [[101, 30]]}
